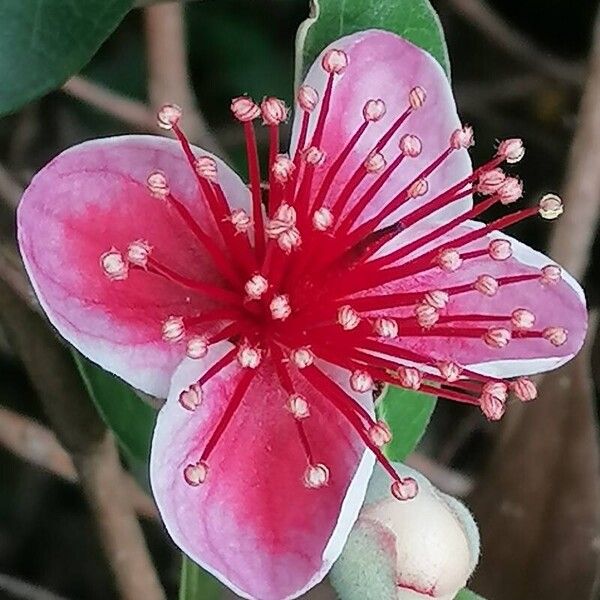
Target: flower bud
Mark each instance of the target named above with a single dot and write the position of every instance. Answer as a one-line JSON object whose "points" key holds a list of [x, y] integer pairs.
{"points": [[403, 550]]}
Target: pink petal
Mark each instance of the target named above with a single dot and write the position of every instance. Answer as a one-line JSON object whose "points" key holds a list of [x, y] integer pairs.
{"points": [[90, 198], [252, 523], [384, 66], [561, 304]]}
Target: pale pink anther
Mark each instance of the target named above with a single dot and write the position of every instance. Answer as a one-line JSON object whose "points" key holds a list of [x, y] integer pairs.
{"points": [[375, 162], [409, 377], [206, 167], [313, 156], [322, 219], [437, 298], [244, 109], [273, 110], [173, 329], [316, 476], [298, 406], [462, 138], [386, 327], [280, 307], [427, 315], [521, 318], [348, 318], [168, 116], [500, 249], [550, 207], [307, 97], [405, 489], [248, 356], [361, 381], [524, 389], [510, 191], [113, 265], [138, 253], [256, 287], [241, 220], [497, 389], [283, 167], [302, 357], [157, 184], [449, 260], [380, 434], [374, 110], [191, 397], [486, 285], [283, 220], [410, 145], [195, 474], [418, 188], [289, 240], [449, 370], [417, 97], [492, 407], [551, 274], [557, 336], [512, 150], [497, 337], [490, 181], [197, 347], [335, 61]]}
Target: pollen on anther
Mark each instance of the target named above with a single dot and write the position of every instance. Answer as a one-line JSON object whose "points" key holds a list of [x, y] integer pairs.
{"points": [[158, 185], [386, 327], [361, 381], [405, 489], [497, 337], [486, 285], [195, 473], [138, 253], [283, 168], [550, 207], [557, 336], [409, 377], [274, 111], [551, 274], [302, 357], [322, 219], [334, 61], [316, 476], [380, 434], [168, 116], [512, 150], [449, 260], [437, 298], [410, 145], [462, 138], [298, 406], [206, 167], [191, 397], [449, 370], [280, 307], [307, 97], [249, 357], [521, 318], [244, 109], [197, 347], [113, 265], [490, 181], [524, 389], [510, 191], [493, 406], [427, 315], [375, 162], [417, 97], [418, 188], [374, 110], [348, 318], [256, 287], [173, 329], [500, 249], [313, 156], [241, 220]]}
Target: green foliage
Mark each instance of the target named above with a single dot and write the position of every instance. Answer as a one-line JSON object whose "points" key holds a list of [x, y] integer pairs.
{"points": [[408, 414], [44, 42], [468, 595], [414, 20], [123, 411], [197, 584]]}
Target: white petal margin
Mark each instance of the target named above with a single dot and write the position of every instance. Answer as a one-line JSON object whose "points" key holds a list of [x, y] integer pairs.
{"points": [[516, 367], [187, 373], [416, 550]]}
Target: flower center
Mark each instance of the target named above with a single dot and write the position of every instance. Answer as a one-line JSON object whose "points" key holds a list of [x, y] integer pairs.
{"points": [[304, 272]]}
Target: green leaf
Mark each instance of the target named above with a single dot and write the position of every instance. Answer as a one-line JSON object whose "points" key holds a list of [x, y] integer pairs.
{"points": [[44, 42], [414, 20], [408, 414], [123, 411], [468, 595], [197, 584]]}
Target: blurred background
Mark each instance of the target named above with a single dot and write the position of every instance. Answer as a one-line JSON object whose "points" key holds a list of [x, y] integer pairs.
{"points": [[519, 69]]}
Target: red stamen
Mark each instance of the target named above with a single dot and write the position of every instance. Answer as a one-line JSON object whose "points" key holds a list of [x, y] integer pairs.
{"points": [[254, 174]]}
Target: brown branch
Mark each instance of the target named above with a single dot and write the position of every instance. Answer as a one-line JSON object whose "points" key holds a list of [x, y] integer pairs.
{"points": [[516, 44], [168, 73], [539, 502], [447, 480], [22, 590], [10, 189], [82, 433]]}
